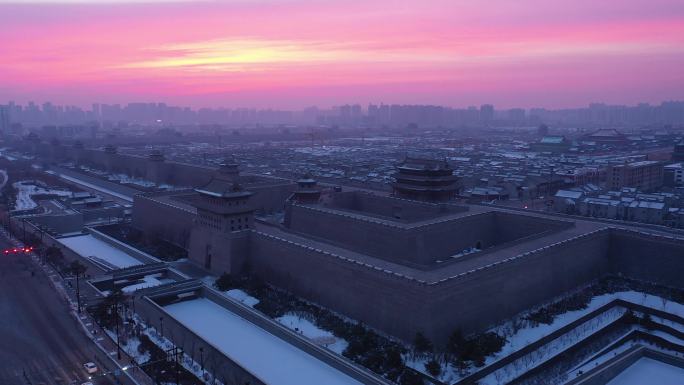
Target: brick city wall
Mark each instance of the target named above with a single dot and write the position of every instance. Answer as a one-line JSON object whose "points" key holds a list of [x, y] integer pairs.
{"points": [[380, 299], [157, 218], [391, 208], [419, 246], [646, 257], [400, 306]]}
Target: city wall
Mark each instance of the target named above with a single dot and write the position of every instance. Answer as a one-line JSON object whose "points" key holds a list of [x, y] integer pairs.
{"points": [[421, 245], [391, 208], [486, 296], [375, 297], [401, 306], [175, 227], [647, 257]]}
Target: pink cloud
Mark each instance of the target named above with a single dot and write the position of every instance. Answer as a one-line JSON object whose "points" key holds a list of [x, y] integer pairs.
{"points": [[437, 51]]}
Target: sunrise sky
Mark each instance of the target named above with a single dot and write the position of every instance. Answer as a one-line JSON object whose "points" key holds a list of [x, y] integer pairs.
{"points": [[295, 53]]}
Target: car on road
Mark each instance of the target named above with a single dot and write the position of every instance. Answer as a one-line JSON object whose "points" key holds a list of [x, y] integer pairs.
{"points": [[87, 383], [90, 367]]}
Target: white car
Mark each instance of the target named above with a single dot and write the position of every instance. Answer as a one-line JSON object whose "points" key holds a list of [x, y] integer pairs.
{"points": [[87, 383], [90, 367]]}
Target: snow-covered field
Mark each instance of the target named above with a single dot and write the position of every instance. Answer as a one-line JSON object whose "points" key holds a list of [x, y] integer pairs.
{"points": [[314, 333], [268, 357], [25, 189], [242, 297], [99, 251], [649, 371]]}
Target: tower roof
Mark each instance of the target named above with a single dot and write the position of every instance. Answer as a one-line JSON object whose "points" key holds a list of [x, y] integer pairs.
{"points": [[420, 163], [221, 188]]}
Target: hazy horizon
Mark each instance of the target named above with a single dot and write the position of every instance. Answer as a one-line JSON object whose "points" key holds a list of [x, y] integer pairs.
{"points": [[88, 106]]}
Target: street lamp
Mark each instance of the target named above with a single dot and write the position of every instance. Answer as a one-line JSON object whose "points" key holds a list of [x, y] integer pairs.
{"points": [[116, 319], [202, 359]]}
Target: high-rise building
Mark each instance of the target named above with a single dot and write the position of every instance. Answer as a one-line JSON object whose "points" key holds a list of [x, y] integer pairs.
{"points": [[486, 113], [4, 119]]}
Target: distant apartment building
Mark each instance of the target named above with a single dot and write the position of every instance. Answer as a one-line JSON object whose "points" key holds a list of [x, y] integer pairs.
{"points": [[644, 176], [678, 152], [673, 175], [4, 119], [582, 175], [486, 113]]}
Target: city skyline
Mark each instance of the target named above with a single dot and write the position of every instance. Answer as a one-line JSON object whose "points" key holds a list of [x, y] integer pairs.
{"points": [[291, 54], [396, 115]]}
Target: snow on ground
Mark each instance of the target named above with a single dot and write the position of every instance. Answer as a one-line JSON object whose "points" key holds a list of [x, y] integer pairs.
{"points": [[266, 356], [123, 178], [553, 348], [187, 362], [25, 189], [649, 371], [602, 357], [151, 280], [95, 187], [242, 297], [99, 251], [314, 333], [611, 352], [131, 348], [531, 333]]}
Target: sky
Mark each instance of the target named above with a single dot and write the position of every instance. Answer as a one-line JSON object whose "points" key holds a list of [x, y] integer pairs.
{"points": [[296, 53]]}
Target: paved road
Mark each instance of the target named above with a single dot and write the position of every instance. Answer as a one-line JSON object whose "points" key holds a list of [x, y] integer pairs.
{"points": [[37, 333]]}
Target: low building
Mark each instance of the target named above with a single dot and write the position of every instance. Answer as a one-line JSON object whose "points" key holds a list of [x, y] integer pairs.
{"points": [[554, 144], [647, 212], [600, 208], [646, 175], [673, 175], [565, 201]]}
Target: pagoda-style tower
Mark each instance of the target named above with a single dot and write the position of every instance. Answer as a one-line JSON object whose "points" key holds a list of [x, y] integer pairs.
{"points": [[307, 190], [425, 180]]}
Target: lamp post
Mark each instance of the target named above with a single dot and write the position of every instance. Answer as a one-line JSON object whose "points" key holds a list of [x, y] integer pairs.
{"points": [[202, 359], [116, 319]]}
